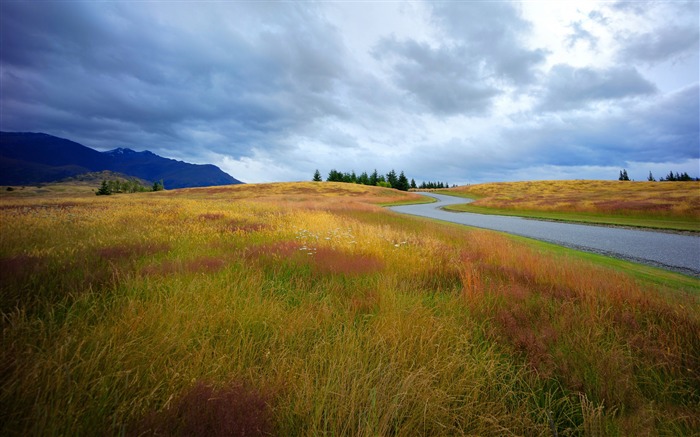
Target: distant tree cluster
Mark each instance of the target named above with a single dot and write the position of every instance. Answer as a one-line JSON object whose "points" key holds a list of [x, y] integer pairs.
{"points": [[158, 186], [434, 185], [390, 180], [673, 177], [677, 177], [126, 186]]}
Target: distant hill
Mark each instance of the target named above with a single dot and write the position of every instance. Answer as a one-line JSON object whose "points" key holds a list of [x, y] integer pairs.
{"points": [[95, 178], [32, 158]]}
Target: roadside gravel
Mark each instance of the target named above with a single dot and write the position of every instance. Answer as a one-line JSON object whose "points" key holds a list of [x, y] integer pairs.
{"points": [[677, 252]]}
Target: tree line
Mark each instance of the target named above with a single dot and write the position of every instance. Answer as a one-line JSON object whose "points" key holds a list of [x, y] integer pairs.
{"points": [[390, 180], [434, 185], [127, 186], [672, 177], [675, 177]]}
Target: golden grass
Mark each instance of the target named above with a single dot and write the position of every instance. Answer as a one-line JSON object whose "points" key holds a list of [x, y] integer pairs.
{"points": [[326, 314], [671, 198]]}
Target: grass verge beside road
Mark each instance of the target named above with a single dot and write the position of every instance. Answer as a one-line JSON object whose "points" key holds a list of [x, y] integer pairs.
{"points": [[661, 223]]}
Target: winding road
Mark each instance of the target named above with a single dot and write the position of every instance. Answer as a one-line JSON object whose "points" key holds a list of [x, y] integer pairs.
{"points": [[677, 252]]}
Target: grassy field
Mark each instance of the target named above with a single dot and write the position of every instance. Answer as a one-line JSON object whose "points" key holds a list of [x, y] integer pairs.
{"points": [[660, 205], [307, 309]]}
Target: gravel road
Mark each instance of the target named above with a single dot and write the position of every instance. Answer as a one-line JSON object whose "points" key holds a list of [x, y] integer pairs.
{"points": [[680, 253]]}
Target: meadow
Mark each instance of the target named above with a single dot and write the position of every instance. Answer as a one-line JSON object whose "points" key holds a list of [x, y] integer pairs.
{"points": [[308, 309], [660, 205]]}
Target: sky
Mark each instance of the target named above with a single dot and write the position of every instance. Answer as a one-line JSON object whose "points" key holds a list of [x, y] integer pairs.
{"points": [[459, 92]]}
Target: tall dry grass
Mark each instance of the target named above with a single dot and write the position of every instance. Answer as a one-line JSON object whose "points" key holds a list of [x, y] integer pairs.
{"points": [[671, 199], [304, 309]]}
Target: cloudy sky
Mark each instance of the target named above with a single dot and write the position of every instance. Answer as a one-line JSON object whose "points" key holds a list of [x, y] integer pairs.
{"points": [[459, 91]]}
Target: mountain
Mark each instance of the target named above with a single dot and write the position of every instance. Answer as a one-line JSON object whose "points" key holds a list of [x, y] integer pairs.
{"points": [[31, 158]]}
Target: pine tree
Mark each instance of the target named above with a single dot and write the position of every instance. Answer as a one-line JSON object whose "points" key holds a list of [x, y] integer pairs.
{"points": [[317, 176], [374, 177], [104, 189], [363, 179], [335, 176], [651, 178], [392, 179], [413, 183], [402, 182], [623, 175]]}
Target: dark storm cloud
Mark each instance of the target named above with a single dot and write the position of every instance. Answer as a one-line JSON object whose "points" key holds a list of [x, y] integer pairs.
{"points": [[569, 88], [672, 32], [667, 43], [168, 69], [573, 144], [664, 130], [670, 129], [491, 33], [481, 53], [444, 80]]}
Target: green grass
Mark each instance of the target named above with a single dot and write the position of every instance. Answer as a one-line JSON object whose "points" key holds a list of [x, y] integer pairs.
{"points": [[410, 202]]}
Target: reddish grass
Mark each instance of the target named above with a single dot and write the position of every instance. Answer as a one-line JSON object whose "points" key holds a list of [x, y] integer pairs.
{"points": [[34, 207], [197, 265], [322, 260], [363, 303], [278, 250], [631, 205], [18, 277], [236, 409], [18, 267], [210, 216], [637, 344], [329, 260], [245, 227], [113, 253], [205, 265], [530, 334], [26, 281]]}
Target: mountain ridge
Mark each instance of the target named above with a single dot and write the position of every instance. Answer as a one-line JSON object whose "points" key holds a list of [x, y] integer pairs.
{"points": [[28, 158]]}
